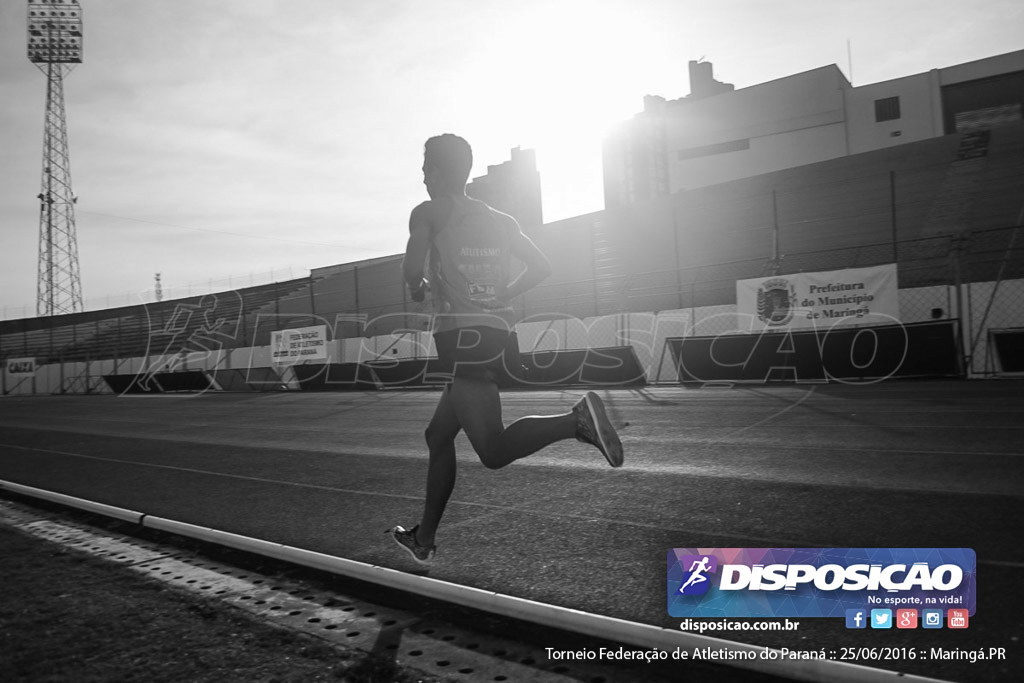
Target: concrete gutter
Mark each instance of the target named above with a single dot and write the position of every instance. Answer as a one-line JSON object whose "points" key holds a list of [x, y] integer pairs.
{"points": [[642, 636]]}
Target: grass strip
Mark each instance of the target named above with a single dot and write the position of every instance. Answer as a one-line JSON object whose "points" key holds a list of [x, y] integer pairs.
{"points": [[67, 616]]}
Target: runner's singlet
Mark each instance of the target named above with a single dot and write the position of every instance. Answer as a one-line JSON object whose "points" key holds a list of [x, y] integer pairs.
{"points": [[469, 266]]}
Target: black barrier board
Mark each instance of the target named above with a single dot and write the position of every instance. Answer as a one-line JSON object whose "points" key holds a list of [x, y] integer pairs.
{"points": [[132, 384], [185, 380], [419, 372], [400, 373], [250, 379], [926, 349], [1008, 347], [335, 377], [610, 366]]}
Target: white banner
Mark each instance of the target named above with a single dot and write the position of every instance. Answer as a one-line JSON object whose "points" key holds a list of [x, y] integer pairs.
{"points": [[855, 296], [20, 367], [301, 344]]}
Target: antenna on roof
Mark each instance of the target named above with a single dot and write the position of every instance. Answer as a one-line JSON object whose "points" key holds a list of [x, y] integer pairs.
{"points": [[849, 60]]}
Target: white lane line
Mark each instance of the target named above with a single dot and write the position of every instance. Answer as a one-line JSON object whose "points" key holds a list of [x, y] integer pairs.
{"points": [[641, 467], [819, 448], [770, 418], [673, 439], [485, 506], [192, 470], [768, 541]]}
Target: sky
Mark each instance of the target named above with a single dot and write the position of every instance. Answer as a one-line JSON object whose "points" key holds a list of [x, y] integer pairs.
{"points": [[223, 144]]}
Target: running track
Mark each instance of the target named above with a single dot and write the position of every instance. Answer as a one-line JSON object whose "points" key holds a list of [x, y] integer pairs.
{"points": [[900, 464]]}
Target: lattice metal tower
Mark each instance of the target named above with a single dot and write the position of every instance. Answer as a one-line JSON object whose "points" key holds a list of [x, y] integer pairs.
{"points": [[55, 46]]}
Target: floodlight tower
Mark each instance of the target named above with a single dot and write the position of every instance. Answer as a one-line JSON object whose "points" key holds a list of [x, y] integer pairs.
{"points": [[55, 46]]}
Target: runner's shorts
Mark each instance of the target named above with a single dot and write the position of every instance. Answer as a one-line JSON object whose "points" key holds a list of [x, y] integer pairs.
{"points": [[483, 352]]}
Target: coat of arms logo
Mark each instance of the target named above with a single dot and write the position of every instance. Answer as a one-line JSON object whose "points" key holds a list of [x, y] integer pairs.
{"points": [[775, 300]]}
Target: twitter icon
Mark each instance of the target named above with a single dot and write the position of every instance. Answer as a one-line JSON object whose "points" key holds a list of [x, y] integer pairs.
{"points": [[881, 618]]}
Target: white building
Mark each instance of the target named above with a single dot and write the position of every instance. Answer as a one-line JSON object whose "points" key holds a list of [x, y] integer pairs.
{"points": [[718, 134]]}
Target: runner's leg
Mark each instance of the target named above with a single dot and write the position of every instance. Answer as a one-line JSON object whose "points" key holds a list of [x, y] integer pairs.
{"points": [[440, 434], [476, 404]]}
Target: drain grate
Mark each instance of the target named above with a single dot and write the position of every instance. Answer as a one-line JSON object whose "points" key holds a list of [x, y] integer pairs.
{"points": [[429, 646]]}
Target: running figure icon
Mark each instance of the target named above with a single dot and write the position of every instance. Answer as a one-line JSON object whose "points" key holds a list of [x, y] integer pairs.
{"points": [[697, 570]]}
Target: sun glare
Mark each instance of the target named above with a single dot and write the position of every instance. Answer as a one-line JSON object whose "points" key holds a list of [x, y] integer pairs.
{"points": [[560, 77]]}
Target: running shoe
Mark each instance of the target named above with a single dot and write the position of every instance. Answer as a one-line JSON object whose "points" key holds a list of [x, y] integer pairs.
{"points": [[594, 427], [406, 539]]}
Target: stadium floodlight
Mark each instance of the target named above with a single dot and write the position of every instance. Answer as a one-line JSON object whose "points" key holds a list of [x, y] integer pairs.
{"points": [[54, 32], [55, 46]]}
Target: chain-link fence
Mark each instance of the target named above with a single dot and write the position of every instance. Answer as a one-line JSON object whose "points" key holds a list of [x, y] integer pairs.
{"points": [[975, 278]]}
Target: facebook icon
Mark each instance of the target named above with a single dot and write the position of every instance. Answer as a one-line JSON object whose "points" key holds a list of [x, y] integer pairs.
{"points": [[856, 618]]}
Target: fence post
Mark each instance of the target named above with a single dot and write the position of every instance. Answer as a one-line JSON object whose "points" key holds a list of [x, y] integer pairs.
{"points": [[593, 270], [355, 286], [892, 216], [117, 349], [312, 295], [957, 244], [775, 235], [998, 282], [675, 246], [405, 303], [244, 339]]}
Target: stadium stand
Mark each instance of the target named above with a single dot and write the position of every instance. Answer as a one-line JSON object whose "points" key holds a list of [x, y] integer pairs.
{"points": [[200, 323]]}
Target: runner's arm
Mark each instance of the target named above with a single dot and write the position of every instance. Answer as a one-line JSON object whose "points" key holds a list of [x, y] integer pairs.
{"points": [[538, 268], [416, 251]]}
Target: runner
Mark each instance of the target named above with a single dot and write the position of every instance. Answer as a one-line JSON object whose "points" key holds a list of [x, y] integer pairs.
{"points": [[470, 246], [697, 576]]}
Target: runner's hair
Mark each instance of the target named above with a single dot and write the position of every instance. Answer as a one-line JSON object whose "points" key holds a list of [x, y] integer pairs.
{"points": [[452, 156]]}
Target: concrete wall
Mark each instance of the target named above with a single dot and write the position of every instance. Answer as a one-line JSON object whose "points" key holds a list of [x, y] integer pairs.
{"points": [[982, 68], [789, 122], [920, 113], [785, 123]]}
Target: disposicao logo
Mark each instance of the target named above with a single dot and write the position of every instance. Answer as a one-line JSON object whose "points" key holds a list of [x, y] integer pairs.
{"points": [[696, 580], [817, 582]]}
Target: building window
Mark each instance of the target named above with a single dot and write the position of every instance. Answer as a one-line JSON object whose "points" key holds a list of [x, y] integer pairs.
{"points": [[709, 150], [887, 109]]}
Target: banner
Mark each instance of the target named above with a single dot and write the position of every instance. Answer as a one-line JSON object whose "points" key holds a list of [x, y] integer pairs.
{"points": [[20, 367], [855, 296], [301, 344]]}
